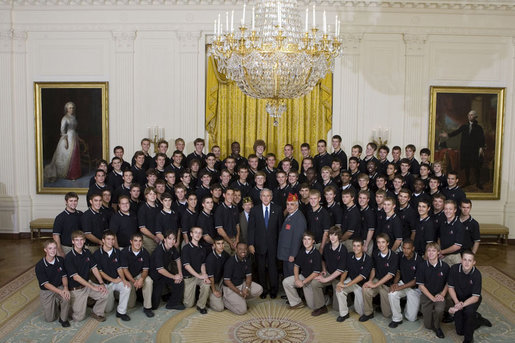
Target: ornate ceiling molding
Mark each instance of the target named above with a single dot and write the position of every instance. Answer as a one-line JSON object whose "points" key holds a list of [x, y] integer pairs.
{"points": [[474, 5]]}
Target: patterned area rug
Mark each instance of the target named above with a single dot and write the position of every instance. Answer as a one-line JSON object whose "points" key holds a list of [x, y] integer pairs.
{"points": [[21, 320]]}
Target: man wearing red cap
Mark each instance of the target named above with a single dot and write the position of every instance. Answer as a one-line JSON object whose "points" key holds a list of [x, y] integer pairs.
{"points": [[290, 236]]}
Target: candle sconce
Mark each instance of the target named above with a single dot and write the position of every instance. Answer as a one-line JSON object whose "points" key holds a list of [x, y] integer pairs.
{"points": [[156, 134]]}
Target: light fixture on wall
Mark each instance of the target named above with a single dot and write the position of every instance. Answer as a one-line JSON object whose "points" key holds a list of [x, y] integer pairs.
{"points": [[156, 134], [276, 59], [380, 136]]}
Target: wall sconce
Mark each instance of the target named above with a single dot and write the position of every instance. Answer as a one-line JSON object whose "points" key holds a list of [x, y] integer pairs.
{"points": [[156, 134], [380, 136]]}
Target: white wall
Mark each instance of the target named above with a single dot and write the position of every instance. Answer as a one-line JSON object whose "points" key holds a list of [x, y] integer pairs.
{"points": [[153, 57]]}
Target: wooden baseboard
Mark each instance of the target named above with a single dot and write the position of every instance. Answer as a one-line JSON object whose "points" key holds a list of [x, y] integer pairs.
{"points": [[14, 236]]}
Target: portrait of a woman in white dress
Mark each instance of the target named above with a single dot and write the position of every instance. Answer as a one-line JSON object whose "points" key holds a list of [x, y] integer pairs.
{"points": [[66, 159]]}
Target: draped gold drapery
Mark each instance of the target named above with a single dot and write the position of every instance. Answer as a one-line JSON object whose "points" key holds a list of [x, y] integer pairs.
{"points": [[233, 116]]}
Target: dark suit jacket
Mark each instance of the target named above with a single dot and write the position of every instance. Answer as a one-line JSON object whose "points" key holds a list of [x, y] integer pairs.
{"points": [[259, 236], [290, 236]]}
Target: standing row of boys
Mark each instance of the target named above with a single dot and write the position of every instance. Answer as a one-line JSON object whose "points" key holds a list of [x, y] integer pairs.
{"points": [[133, 241]]}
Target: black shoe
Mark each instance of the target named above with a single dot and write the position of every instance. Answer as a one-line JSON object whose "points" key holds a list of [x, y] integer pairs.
{"points": [[439, 333], [202, 310], [341, 319], [364, 317], [64, 323], [393, 324], [273, 295], [123, 317], [284, 297], [178, 307], [471, 341], [148, 312], [483, 321], [448, 319], [263, 295]]}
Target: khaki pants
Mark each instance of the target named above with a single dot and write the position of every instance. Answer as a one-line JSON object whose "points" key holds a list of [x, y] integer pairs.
{"points": [[79, 302], [146, 290], [190, 285], [370, 293], [123, 297], [342, 298], [452, 259], [312, 292], [149, 244], [432, 312], [227, 247], [52, 302], [235, 303], [215, 303], [412, 305]]}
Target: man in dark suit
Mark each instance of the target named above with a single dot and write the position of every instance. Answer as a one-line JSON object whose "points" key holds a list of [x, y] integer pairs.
{"points": [[472, 146], [265, 221], [290, 236]]}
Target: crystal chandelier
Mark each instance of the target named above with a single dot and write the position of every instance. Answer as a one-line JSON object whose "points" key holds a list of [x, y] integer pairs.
{"points": [[275, 59]]}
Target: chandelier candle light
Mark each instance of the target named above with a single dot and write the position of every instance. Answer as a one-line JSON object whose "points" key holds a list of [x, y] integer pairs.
{"points": [[275, 59]]}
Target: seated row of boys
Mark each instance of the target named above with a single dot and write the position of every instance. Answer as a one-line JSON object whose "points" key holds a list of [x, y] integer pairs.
{"points": [[65, 283]]}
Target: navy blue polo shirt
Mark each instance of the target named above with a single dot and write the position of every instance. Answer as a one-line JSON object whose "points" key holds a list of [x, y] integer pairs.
{"points": [[336, 213], [451, 233], [384, 265], [237, 270], [207, 223], [368, 221], [335, 259], [161, 258], [108, 263], [124, 226], [408, 217], [147, 216], [167, 221], [188, 220], [438, 219], [118, 192], [424, 234], [352, 221], [470, 234], [358, 266], [135, 206], [432, 277], [318, 221], [65, 223], [392, 226], [51, 273], [193, 255], [227, 217], [94, 223], [78, 264], [455, 193], [408, 268], [309, 262], [135, 262], [465, 285], [215, 265]]}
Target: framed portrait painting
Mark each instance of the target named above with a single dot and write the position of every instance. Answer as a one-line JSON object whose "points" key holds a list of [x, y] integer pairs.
{"points": [[71, 134], [465, 135]]}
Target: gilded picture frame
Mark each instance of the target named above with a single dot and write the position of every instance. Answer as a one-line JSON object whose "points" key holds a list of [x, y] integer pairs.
{"points": [[72, 134], [465, 134]]}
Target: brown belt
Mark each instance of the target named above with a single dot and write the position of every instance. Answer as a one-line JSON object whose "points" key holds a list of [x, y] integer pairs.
{"points": [[76, 288]]}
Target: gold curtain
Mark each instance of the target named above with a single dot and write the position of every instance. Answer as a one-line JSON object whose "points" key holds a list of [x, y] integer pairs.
{"points": [[233, 116]]}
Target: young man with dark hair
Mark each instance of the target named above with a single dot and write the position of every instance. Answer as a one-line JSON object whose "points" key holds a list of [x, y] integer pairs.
{"points": [[65, 223], [406, 174], [177, 163], [280, 193], [338, 152], [424, 228], [450, 234], [123, 189], [410, 155], [114, 178], [118, 151], [197, 153], [215, 262], [108, 262], [135, 263], [53, 284], [135, 201], [93, 223], [206, 222], [167, 219], [265, 221], [368, 222], [370, 152], [147, 215], [322, 159], [238, 285], [79, 263], [351, 226], [383, 159], [270, 171], [333, 206], [453, 191], [404, 285], [160, 165], [396, 156], [357, 271], [227, 221], [431, 278], [235, 153], [99, 185], [471, 235], [162, 149], [381, 278], [354, 171], [138, 169], [391, 225], [124, 223], [193, 256], [188, 218], [305, 151], [419, 191], [165, 273], [241, 183], [407, 214], [308, 265], [147, 159]]}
